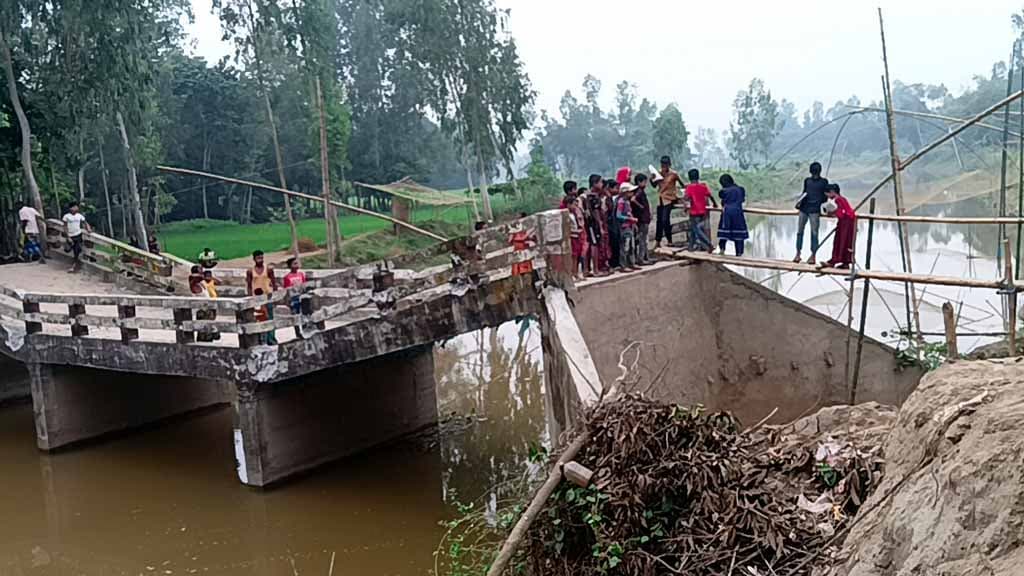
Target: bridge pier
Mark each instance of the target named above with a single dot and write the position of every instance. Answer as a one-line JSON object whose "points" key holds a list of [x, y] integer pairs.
{"points": [[14, 385], [73, 404], [293, 425]]}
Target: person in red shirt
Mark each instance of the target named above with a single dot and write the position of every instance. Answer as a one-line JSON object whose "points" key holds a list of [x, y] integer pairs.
{"points": [[698, 195], [846, 229]]}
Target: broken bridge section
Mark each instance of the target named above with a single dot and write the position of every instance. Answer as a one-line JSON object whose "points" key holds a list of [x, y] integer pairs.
{"points": [[351, 369]]}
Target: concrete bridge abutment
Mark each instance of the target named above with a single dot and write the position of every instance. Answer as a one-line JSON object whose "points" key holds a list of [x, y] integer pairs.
{"points": [[294, 425], [75, 404]]}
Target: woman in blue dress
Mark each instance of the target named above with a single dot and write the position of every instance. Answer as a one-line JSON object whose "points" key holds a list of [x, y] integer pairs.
{"points": [[733, 225]]}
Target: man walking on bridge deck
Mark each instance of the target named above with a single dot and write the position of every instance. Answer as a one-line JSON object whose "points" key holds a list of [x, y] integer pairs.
{"points": [[75, 223]]}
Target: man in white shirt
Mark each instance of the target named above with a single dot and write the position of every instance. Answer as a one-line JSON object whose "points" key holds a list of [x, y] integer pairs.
{"points": [[75, 223], [30, 218]]}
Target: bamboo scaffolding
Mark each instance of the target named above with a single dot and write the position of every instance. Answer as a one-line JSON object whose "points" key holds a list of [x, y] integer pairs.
{"points": [[879, 275], [341, 205], [925, 115], [863, 308], [892, 217]]}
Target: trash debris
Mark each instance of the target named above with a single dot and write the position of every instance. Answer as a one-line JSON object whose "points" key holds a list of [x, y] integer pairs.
{"points": [[680, 490]]}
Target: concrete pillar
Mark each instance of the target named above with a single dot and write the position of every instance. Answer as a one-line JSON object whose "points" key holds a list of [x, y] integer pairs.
{"points": [[14, 385], [72, 404], [291, 426]]}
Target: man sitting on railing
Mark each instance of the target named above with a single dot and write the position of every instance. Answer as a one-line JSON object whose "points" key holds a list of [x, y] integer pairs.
{"points": [[30, 218], [75, 222]]}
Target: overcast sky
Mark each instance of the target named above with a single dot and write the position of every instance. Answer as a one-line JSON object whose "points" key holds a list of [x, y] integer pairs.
{"points": [[698, 54]]}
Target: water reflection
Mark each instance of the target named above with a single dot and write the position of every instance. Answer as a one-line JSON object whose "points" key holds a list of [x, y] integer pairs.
{"points": [[166, 501], [958, 250]]}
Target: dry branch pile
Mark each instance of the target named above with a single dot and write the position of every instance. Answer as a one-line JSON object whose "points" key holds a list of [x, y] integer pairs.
{"points": [[681, 491]]}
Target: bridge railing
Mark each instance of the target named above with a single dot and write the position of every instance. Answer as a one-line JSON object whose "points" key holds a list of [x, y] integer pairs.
{"points": [[472, 261], [108, 255]]}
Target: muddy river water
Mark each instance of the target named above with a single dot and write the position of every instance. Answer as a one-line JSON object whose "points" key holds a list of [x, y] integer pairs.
{"points": [[166, 501]]}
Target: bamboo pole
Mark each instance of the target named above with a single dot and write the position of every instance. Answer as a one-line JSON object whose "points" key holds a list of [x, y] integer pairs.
{"points": [[1020, 159], [878, 275], [897, 186], [508, 549], [1011, 302], [1005, 157], [949, 323], [280, 172], [863, 309], [341, 205], [891, 217], [325, 176]]}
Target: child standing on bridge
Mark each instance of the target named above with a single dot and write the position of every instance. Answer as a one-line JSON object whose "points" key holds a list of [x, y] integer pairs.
{"points": [[733, 225], [699, 195], [846, 229]]}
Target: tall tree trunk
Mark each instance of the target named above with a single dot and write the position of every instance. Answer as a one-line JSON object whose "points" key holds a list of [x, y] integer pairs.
{"points": [[31, 186], [325, 176], [469, 181], [53, 184], [509, 169], [124, 213], [138, 221], [106, 192], [485, 196], [280, 173], [206, 168]]}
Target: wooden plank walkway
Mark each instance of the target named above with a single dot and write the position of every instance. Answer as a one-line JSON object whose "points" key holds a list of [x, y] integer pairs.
{"points": [[770, 264]]}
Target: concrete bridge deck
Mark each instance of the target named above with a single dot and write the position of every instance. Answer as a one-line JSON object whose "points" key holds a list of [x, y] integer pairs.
{"points": [[108, 356]]}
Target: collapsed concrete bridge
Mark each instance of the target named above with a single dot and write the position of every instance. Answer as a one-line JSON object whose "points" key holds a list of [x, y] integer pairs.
{"points": [[358, 370]]}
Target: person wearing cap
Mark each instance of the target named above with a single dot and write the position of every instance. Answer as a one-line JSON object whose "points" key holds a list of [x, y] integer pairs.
{"points": [[627, 227], [668, 198]]}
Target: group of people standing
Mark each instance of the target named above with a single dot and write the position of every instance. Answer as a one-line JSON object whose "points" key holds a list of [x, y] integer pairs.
{"points": [[611, 218]]}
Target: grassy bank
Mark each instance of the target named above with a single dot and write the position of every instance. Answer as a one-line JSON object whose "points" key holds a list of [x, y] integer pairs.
{"points": [[232, 240]]}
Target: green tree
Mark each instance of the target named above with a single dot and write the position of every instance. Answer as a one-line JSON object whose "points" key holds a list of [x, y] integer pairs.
{"points": [[671, 136], [754, 125]]}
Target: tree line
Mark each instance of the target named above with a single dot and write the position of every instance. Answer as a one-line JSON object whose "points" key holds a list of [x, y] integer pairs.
{"points": [[100, 92]]}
